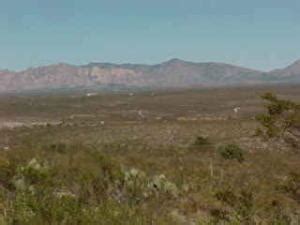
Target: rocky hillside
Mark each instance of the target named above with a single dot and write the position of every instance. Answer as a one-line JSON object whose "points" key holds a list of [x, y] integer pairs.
{"points": [[290, 73], [171, 74]]}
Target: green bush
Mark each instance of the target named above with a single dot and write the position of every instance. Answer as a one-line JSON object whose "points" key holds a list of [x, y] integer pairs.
{"points": [[281, 120], [231, 152]]}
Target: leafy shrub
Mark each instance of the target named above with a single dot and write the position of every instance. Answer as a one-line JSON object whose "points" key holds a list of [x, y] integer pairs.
{"points": [[280, 121], [231, 152], [162, 185], [139, 186], [29, 175]]}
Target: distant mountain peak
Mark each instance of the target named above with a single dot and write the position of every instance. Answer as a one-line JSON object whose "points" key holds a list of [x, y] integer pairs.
{"points": [[174, 61], [169, 74], [292, 71], [295, 64]]}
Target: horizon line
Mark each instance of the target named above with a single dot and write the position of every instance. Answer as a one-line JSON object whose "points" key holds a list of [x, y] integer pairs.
{"points": [[144, 64]]}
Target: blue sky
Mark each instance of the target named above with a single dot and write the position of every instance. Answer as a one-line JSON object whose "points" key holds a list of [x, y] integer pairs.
{"points": [[262, 34]]}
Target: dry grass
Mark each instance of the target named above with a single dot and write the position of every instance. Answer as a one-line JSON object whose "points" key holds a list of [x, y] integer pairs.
{"points": [[263, 189]]}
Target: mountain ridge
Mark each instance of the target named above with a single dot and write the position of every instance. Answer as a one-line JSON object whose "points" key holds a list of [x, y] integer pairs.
{"points": [[174, 73]]}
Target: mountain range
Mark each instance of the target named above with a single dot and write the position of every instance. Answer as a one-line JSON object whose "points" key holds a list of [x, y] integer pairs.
{"points": [[174, 73]]}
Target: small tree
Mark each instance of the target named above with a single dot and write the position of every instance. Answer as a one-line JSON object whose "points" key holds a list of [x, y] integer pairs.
{"points": [[282, 118]]}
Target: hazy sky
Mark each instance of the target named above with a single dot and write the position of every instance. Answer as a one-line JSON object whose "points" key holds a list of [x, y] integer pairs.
{"points": [[261, 34]]}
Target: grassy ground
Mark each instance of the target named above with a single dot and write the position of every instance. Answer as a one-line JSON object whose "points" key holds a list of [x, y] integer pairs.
{"points": [[147, 158]]}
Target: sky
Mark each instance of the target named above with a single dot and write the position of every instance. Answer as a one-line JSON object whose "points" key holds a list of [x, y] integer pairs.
{"points": [[260, 34]]}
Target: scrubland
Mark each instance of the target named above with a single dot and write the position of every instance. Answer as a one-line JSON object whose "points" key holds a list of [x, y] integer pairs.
{"points": [[177, 157]]}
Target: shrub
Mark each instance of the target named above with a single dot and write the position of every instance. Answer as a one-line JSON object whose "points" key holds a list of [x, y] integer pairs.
{"points": [[231, 152], [139, 186], [201, 141], [281, 120], [32, 173]]}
